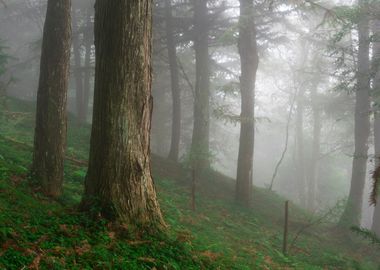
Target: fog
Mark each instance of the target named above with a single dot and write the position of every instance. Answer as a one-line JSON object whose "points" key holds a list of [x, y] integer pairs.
{"points": [[310, 113]]}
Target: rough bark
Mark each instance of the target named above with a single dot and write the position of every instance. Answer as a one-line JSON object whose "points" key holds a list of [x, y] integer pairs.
{"points": [[176, 96], [78, 70], [249, 63], [201, 130], [50, 130], [376, 109], [119, 182], [352, 212]]}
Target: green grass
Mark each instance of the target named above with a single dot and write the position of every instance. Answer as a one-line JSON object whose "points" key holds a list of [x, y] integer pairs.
{"points": [[37, 232]]}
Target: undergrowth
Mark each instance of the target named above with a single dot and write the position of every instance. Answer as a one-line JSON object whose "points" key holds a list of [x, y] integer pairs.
{"points": [[38, 233]]}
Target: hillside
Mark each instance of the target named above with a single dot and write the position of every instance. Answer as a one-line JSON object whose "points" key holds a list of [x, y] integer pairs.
{"points": [[37, 233]]}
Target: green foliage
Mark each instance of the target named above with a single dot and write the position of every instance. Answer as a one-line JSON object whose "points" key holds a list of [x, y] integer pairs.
{"points": [[36, 232], [367, 234]]}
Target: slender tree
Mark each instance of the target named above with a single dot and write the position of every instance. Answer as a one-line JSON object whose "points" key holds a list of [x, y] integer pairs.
{"points": [[88, 42], [313, 172], [176, 96], [299, 80], [119, 181], [201, 130], [50, 130], [352, 212], [300, 146], [249, 59], [78, 69]]}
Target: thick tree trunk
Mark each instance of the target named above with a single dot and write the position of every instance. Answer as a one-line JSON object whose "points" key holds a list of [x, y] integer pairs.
{"points": [[176, 113], [201, 130], [352, 213], [50, 130], [376, 109], [119, 181], [249, 63], [78, 71], [313, 173]]}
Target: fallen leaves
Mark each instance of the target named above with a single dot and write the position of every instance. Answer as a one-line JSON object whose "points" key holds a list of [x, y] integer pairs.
{"points": [[184, 236], [147, 259], [84, 248], [210, 255], [35, 265], [138, 242], [17, 179]]}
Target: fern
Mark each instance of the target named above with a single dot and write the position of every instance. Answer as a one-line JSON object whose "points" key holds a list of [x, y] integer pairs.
{"points": [[367, 234]]}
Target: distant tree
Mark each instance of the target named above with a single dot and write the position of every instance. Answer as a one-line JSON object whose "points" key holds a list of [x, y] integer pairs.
{"points": [[82, 46], [78, 70], [3, 84], [176, 95], [50, 131], [88, 37], [249, 59], [352, 212], [300, 119], [200, 144], [119, 182], [313, 173]]}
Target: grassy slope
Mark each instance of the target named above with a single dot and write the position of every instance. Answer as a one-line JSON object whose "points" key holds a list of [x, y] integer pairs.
{"points": [[36, 232]]}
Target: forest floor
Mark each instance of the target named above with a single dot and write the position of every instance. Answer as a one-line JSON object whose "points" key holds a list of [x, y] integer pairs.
{"points": [[37, 233]]}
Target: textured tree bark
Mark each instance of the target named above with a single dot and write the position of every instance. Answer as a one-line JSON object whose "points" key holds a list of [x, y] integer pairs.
{"points": [[176, 95], [119, 181], [78, 74], [50, 130], [249, 63], [201, 130], [352, 212], [376, 109]]}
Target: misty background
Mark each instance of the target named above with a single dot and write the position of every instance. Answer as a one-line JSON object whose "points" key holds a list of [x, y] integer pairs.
{"points": [[298, 77]]}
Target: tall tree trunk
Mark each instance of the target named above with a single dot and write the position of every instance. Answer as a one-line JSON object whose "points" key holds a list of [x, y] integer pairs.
{"points": [[201, 130], [176, 113], [119, 181], [313, 173], [88, 41], [300, 149], [352, 212], [299, 136], [249, 63], [78, 74], [50, 130], [376, 109]]}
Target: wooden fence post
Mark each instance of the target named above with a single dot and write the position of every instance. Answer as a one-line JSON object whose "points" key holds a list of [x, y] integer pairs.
{"points": [[285, 240]]}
